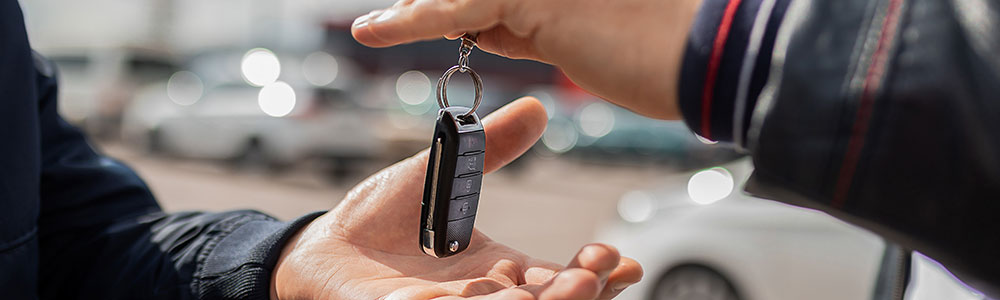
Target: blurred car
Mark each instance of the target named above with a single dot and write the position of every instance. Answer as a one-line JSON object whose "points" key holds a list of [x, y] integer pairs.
{"points": [[583, 125], [698, 237], [232, 121], [97, 83], [410, 101]]}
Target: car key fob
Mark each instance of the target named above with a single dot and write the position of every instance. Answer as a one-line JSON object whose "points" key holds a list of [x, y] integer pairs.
{"points": [[452, 185]]}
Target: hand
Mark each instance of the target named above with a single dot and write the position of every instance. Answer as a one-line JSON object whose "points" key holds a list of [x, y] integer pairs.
{"points": [[625, 51], [367, 247]]}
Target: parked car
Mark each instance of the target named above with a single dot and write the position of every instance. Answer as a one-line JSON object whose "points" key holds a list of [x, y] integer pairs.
{"points": [[699, 237], [229, 123], [96, 84]]}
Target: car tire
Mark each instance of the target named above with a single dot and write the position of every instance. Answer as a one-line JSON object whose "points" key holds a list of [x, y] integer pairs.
{"points": [[694, 282], [253, 155], [154, 141]]}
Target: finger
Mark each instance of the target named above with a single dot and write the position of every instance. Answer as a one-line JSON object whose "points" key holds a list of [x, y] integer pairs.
{"points": [[573, 283], [512, 130], [454, 35], [626, 274], [458, 289], [598, 258], [511, 294], [417, 292], [505, 294], [540, 273], [410, 21], [481, 286]]}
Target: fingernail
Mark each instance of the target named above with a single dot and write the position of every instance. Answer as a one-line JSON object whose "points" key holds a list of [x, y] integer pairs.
{"points": [[385, 16], [362, 21], [618, 287]]}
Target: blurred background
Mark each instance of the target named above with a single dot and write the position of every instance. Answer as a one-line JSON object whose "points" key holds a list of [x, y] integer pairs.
{"points": [[271, 105]]}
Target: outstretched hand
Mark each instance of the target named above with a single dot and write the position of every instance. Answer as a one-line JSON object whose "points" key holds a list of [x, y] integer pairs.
{"points": [[367, 247], [625, 51]]}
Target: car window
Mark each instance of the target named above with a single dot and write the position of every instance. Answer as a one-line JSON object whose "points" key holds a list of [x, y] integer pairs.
{"points": [[145, 69], [335, 99], [71, 66]]}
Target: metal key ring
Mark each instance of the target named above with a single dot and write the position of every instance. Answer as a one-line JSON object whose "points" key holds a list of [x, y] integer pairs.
{"points": [[442, 87]]}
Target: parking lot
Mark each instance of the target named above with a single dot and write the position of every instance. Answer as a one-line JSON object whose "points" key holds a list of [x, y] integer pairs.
{"points": [[547, 208]]}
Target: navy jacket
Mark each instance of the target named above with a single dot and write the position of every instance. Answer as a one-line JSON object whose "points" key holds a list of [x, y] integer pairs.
{"points": [[883, 113], [76, 224]]}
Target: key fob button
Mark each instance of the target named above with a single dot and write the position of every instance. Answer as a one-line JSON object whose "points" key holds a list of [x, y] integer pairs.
{"points": [[466, 185], [472, 142], [460, 231], [469, 164], [463, 207]]}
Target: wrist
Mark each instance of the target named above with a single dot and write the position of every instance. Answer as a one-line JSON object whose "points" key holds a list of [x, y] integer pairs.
{"points": [[283, 277], [634, 60]]}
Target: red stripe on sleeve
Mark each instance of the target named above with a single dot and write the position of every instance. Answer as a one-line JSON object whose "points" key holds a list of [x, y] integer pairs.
{"points": [[872, 83], [713, 67]]}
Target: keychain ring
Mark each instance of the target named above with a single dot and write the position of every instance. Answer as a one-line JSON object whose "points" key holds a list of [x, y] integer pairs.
{"points": [[442, 87]]}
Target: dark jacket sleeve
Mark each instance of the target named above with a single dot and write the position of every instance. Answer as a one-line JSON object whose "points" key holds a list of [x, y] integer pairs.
{"points": [[76, 224], [103, 236], [884, 113]]}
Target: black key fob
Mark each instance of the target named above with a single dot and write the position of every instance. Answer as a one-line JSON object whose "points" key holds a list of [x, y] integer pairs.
{"points": [[454, 178]]}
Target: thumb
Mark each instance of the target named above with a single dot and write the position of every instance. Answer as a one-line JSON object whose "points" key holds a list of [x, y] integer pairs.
{"points": [[512, 130]]}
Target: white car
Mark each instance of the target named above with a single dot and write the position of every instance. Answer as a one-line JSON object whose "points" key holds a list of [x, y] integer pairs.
{"points": [[698, 236], [228, 123], [96, 84]]}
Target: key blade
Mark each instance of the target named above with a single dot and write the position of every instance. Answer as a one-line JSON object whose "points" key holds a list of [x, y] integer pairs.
{"points": [[435, 177]]}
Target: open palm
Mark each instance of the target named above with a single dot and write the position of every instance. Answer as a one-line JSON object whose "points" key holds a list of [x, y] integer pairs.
{"points": [[367, 247]]}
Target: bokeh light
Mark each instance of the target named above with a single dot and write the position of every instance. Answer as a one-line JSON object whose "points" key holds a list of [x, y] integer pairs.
{"points": [[711, 185], [413, 87], [560, 136], [185, 88], [260, 67], [320, 68], [636, 206], [596, 119], [276, 99]]}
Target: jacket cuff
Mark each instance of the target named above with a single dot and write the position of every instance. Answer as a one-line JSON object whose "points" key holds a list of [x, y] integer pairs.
{"points": [[237, 263], [725, 65]]}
